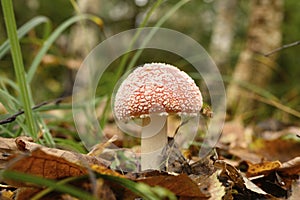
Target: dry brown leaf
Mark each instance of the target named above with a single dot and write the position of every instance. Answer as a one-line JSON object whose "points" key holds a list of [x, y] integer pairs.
{"points": [[234, 134], [32, 158], [25, 193], [209, 185], [7, 148], [237, 186], [21, 145], [278, 149], [45, 165], [262, 168], [50, 166], [6, 195], [245, 154], [180, 185], [104, 170], [291, 167]]}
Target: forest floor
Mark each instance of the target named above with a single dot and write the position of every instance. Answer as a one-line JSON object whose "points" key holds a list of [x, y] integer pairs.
{"points": [[258, 162]]}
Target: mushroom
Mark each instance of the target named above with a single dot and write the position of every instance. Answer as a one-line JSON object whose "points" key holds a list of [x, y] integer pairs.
{"points": [[151, 93]]}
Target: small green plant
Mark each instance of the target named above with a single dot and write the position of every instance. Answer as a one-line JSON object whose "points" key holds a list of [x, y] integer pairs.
{"points": [[34, 120], [23, 86], [143, 190]]}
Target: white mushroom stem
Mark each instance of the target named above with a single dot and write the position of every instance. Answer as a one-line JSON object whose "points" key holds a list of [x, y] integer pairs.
{"points": [[153, 140]]}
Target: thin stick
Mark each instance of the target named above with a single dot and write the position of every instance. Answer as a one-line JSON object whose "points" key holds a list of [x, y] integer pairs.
{"points": [[14, 116], [283, 47]]}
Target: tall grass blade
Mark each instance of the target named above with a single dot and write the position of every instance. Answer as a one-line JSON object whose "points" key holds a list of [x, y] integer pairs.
{"points": [[264, 96], [10, 23], [26, 178], [47, 44], [23, 30]]}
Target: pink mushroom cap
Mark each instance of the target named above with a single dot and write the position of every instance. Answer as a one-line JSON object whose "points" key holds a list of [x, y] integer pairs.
{"points": [[157, 88]]}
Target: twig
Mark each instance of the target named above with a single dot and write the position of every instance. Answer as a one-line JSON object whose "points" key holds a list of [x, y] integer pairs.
{"points": [[14, 116], [283, 47]]}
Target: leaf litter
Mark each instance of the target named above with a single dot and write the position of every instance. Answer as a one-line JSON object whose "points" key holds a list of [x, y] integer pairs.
{"points": [[234, 170]]}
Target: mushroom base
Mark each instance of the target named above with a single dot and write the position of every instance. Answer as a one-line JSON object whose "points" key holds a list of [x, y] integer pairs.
{"points": [[153, 140]]}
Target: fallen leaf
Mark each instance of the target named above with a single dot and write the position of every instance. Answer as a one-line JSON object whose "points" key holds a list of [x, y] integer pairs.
{"points": [[209, 185], [104, 170], [6, 195], [262, 168], [234, 181], [234, 134], [180, 185], [278, 149], [24, 193], [24, 145], [291, 167], [45, 165], [245, 154]]}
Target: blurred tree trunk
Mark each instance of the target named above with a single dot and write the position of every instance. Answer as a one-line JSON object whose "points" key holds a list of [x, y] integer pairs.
{"points": [[264, 34], [223, 32]]}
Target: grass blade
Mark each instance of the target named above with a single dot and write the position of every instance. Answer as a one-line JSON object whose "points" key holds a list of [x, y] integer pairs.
{"points": [[23, 30], [38, 58], [264, 96], [10, 23], [26, 178], [143, 190]]}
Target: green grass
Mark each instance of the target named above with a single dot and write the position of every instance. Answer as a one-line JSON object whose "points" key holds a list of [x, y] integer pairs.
{"points": [[143, 190], [54, 35], [33, 119], [16, 53], [23, 30], [16, 96], [54, 185]]}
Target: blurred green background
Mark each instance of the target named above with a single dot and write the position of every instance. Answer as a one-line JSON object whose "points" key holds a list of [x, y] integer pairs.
{"points": [[196, 19]]}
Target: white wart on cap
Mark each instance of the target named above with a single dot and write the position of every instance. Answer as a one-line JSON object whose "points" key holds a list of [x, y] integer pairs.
{"points": [[157, 88]]}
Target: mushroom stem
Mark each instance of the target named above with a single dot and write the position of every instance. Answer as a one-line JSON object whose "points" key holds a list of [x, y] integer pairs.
{"points": [[153, 140]]}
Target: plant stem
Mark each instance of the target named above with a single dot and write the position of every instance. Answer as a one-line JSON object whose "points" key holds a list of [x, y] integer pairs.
{"points": [[10, 23]]}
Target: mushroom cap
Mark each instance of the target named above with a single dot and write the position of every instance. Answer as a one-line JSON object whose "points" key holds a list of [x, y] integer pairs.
{"points": [[157, 88]]}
